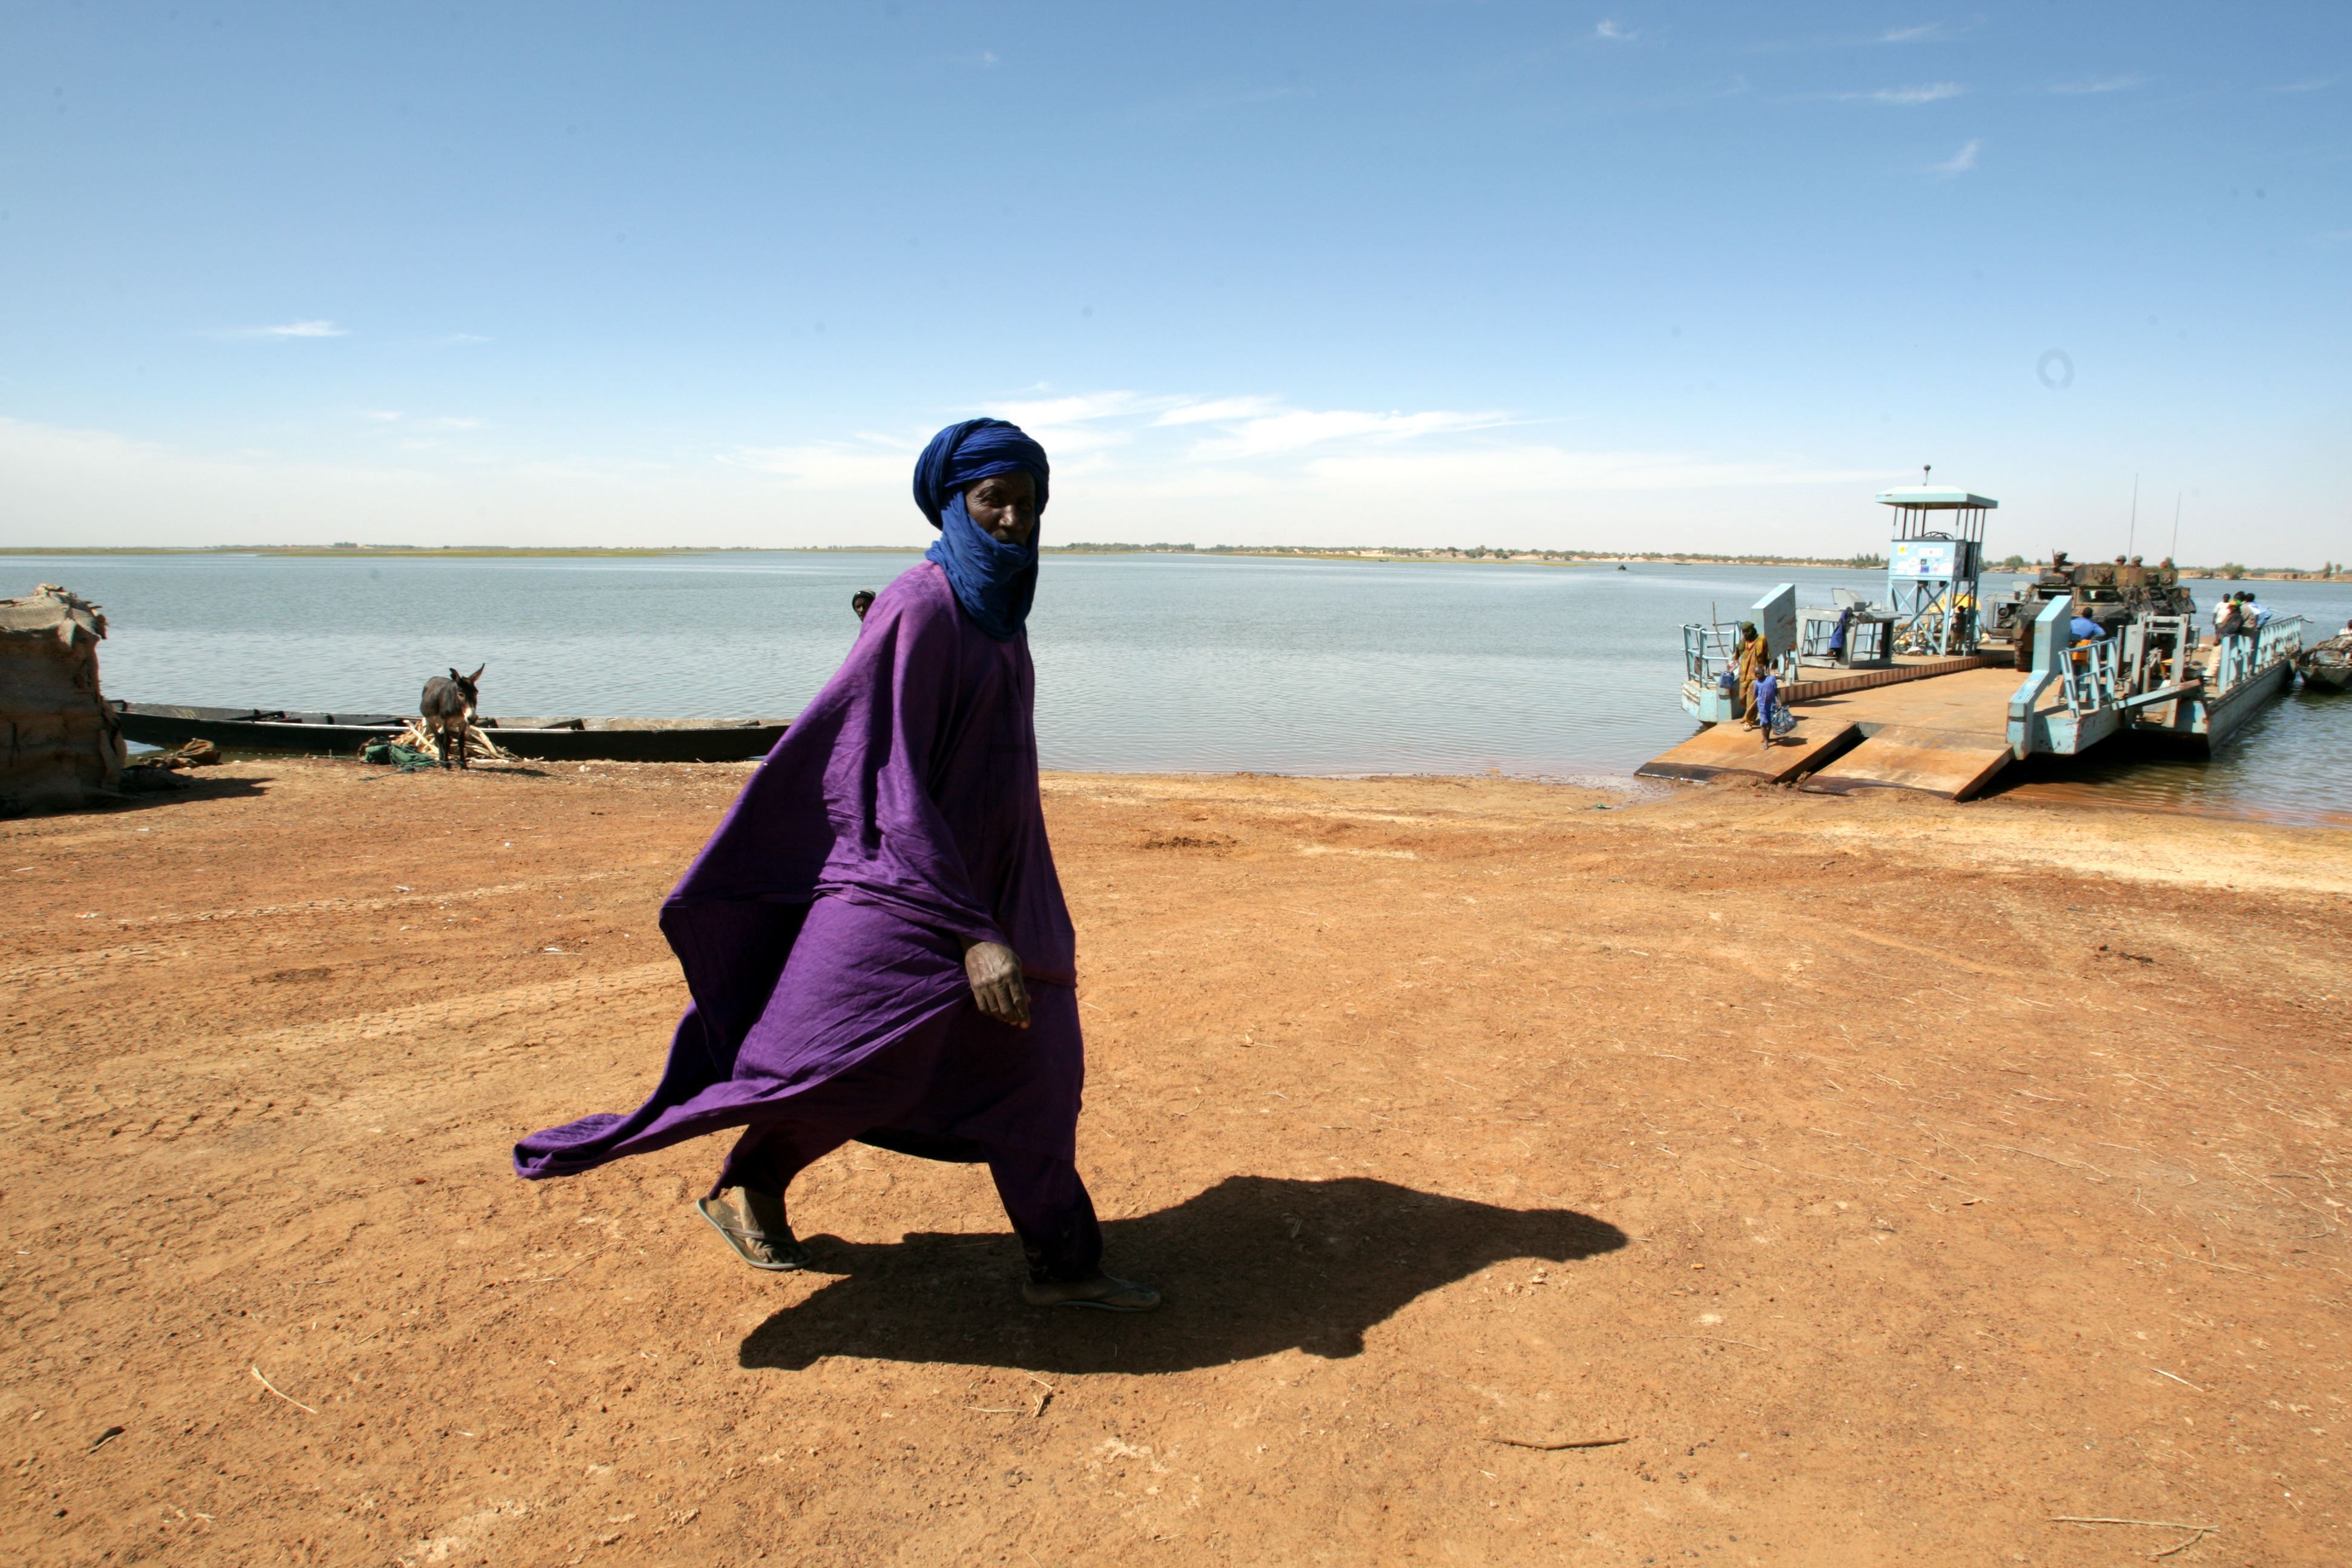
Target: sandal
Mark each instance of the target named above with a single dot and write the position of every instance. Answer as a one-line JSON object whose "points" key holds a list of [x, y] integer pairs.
{"points": [[781, 1258]]}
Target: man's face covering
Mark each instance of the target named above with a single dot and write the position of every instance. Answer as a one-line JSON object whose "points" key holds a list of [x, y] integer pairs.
{"points": [[991, 565]]}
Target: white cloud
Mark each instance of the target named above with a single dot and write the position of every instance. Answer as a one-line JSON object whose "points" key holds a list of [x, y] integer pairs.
{"points": [[452, 422], [382, 416], [1254, 468], [1071, 426], [1905, 97], [831, 464], [1959, 162], [1083, 422], [1073, 409], [1290, 429], [1218, 409], [1252, 424], [1924, 33], [2309, 84], [1075, 424], [1613, 31], [2098, 84], [294, 329], [1550, 470], [1139, 453]]}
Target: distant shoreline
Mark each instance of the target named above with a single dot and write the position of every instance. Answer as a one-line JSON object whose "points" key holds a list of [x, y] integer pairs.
{"points": [[1370, 555]]}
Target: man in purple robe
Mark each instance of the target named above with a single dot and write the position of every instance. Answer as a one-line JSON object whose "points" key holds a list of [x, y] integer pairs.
{"points": [[875, 938]]}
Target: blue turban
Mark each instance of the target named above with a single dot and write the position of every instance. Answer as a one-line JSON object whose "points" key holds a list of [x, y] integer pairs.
{"points": [[995, 581]]}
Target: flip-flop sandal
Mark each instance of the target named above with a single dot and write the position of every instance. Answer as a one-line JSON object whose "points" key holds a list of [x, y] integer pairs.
{"points": [[795, 1256]]}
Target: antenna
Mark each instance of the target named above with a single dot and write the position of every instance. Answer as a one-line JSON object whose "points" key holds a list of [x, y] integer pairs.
{"points": [[1924, 470], [2176, 526], [2134, 534]]}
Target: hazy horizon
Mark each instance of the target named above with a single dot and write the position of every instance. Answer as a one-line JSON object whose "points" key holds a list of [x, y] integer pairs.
{"points": [[1595, 556]]}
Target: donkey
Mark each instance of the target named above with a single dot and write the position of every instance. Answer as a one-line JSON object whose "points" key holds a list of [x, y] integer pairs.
{"points": [[447, 707]]}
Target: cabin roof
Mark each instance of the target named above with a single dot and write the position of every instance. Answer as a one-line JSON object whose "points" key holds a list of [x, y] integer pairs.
{"points": [[1935, 498]]}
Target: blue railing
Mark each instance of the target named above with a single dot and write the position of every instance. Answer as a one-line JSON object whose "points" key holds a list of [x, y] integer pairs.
{"points": [[1708, 651], [2088, 678], [2239, 659]]}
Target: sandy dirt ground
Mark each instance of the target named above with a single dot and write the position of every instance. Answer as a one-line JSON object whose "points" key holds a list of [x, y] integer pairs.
{"points": [[1877, 1178]]}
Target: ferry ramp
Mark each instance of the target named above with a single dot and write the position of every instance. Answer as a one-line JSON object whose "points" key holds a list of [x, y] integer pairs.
{"points": [[1944, 736], [1947, 737]]}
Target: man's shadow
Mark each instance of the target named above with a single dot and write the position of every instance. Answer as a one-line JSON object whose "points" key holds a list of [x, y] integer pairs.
{"points": [[1253, 1266]]}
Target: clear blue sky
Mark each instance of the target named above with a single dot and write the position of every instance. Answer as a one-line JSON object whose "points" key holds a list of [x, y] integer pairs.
{"points": [[1635, 276]]}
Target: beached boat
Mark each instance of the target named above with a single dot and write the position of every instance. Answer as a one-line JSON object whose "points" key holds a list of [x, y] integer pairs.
{"points": [[553, 740], [2327, 665]]}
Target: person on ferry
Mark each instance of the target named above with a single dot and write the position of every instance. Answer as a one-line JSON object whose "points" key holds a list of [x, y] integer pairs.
{"points": [[2083, 629], [1752, 658], [2225, 619], [1767, 703], [2233, 621]]}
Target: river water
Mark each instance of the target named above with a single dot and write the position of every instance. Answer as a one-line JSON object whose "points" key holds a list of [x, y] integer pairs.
{"points": [[1145, 663]]}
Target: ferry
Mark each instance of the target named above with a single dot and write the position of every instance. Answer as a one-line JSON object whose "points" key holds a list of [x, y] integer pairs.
{"points": [[1927, 692]]}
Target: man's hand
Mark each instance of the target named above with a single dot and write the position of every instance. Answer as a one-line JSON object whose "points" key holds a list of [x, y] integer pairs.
{"points": [[994, 970]]}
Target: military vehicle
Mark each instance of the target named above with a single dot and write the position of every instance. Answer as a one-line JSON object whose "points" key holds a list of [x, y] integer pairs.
{"points": [[2110, 593]]}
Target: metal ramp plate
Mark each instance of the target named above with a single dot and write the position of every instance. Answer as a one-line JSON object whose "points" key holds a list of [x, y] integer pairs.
{"points": [[1736, 748], [1950, 763]]}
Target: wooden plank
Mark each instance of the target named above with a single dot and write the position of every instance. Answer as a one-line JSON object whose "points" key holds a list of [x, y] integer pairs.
{"points": [[1973, 702], [1735, 749], [1951, 764]]}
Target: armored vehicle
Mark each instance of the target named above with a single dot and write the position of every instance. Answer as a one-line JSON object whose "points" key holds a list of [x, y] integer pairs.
{"points": [[2110, 593]]}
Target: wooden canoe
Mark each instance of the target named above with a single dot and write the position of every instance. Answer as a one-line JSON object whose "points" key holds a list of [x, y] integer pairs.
{"points": [[554, 740]]}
